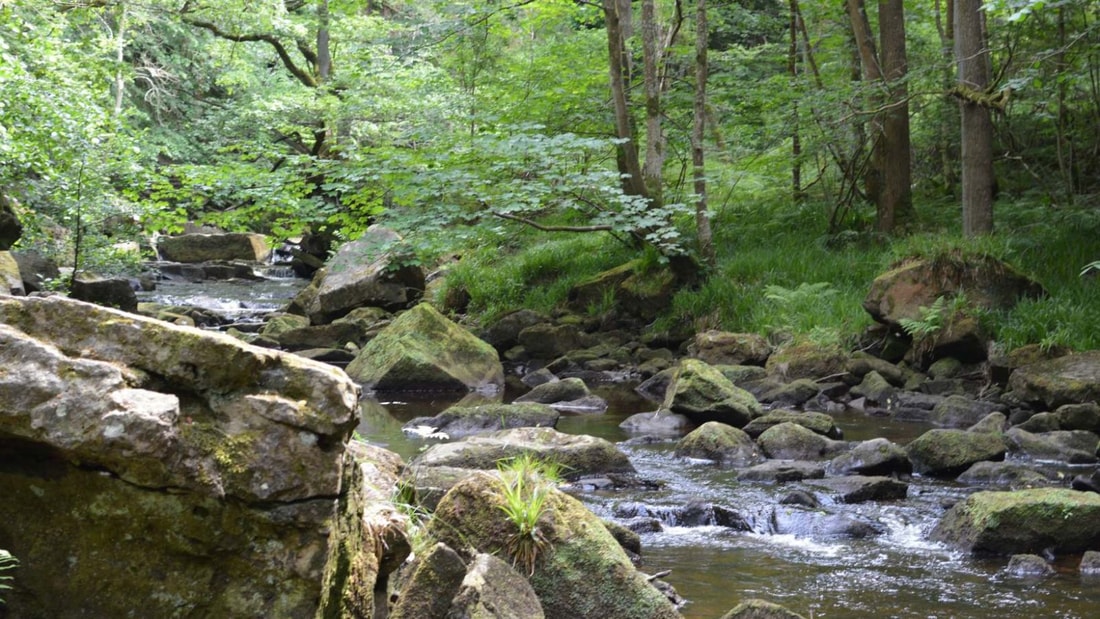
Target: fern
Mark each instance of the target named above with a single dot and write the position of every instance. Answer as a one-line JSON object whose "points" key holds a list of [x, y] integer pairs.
{"points": [[930, 322]]}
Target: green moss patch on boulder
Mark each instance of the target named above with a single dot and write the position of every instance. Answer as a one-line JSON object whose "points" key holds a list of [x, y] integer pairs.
{"points": [[422, 350], [1072, 379], [1054, 520], [721, 443], [947, 453], [702, 393]]}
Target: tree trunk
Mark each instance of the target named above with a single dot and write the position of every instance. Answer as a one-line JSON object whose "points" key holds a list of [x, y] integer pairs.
{"points": [[654, 136], [972, 57], [698, 129], [796, 139], [895, 203], [627, 157]]}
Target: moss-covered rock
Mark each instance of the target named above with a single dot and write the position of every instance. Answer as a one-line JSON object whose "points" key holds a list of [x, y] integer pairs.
{"points": [[1054, 520], [725, 348], [946, 452], [818, 422], [206, 247], [791, 441], [1072, 379], [702, 393], [423, 350], [760, 609], [435, 579], [579, 455], [721, 443], [807, 360], [11, 281], [877, 456], [567, 394], [581, 573], [1070, 446], [493, 590]]}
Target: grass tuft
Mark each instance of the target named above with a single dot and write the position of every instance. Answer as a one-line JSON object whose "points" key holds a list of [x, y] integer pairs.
{"points": [[526, 483]]}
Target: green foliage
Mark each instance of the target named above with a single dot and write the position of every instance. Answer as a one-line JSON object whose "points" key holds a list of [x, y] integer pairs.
{"points": [[932, 320], [1090, 267], [526, 483], [7, 563]]}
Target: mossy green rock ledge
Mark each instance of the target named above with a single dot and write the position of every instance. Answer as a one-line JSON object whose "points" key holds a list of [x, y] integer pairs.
{"points": [[582, 573], [422, 350], [1055, 520]]}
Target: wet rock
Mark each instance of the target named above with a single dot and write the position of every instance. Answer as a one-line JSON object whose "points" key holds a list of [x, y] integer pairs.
{"points": [[549, 341], [207, 247], [1090, 563], [947, 367], [800, 498], [790, 441], [779, 472], [113, 292], [540, 376], [579, 455], [1085, 416], [694, 514], [1055, 520], [807, 360], [655, 387], [720, 443], [760, 609], [993, 423], [960, 412], [701, 393], [434, 581], [628, 538], [1072, 379], [1008, 475], [875, 388], [815, 524], [567, 394], [504, 332], [1040, 422], [1028, 566], [742, 375], [860, 364], [335, 356], [332, 335], [423, 350], [795, 393], [877, 456], [725, 348], [280, 322], [459, 421], [820, 423], [491, 589], [659, 423], [583, 574], [1074, 447], [859, 489], [1087, 483], [949, 452]]}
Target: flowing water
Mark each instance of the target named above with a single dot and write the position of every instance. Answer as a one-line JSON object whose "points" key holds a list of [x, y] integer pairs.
{"points": [[898, 573]]}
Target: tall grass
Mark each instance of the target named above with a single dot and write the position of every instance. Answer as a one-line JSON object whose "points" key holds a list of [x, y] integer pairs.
{"points": [[526, 483]]}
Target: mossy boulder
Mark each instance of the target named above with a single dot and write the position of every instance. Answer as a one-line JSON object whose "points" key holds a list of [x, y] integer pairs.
{"points": [[1072, 379], [206, 247], [11, 281], [581, 573], [818, 422], [459, 421], [567, 394], [1006, 475], [791, 441], [861, 488], [725, 348], [1056, 520], [877, 456], [807, 360], [760, 609], [721, 443], [915, 283], [579, 455], [422, 350], [1070, 446], [958, 411], [947, 452], [435, 579], [702, 393]]}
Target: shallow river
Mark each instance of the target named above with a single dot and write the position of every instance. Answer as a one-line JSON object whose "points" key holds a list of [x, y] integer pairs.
{"points": [[896, 574]]}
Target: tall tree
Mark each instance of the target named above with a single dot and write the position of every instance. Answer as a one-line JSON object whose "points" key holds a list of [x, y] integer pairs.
{"points": [[698, 130], [888, 181], [973, 60]]}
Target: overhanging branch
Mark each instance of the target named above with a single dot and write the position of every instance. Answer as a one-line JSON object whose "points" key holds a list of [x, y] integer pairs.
{"points": [[536, 225], [302, 75]]}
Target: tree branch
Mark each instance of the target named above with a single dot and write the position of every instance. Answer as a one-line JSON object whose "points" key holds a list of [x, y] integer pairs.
{"points": [[302, 75], [536, 225]]}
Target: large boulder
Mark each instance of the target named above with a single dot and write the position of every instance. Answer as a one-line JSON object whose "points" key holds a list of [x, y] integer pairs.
{"points": [[807, 360], [915, 283], [1041, 520], [369, 539], [702, 393], [193, 248], [947, 452], [570, 394], [580, 572], [791, 441], [721, 443], [171, 451], [363, 273], [491, 589], [422, 350], [818, 422], [579, 455], [106, 291], [36, 269], [1071, 446], [11, 280], [877, 456], [1072, 379]]}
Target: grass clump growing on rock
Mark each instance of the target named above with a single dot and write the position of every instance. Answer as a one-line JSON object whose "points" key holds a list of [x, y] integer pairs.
{"points": [[7, 562], [526, 483]]}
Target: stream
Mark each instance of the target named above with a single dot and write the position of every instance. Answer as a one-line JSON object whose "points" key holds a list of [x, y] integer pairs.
{"points": [[898, 573]]}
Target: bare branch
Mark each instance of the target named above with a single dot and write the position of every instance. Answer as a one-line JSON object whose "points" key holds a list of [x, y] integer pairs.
{"points": [[302, 75], [536, 225]]}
